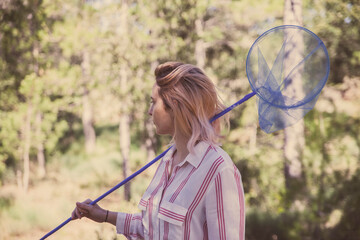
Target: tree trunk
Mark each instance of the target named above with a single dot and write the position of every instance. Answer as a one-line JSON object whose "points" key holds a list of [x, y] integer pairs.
{"points": [[124, 132], [294, 141], [200, 54], [124, 137], [26, 134], [38, 119], [293, 12], [124, 123], [87, 115], [40, 147]]}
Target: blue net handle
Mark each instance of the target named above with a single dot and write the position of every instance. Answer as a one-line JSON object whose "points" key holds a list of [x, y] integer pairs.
{"points": [[228, 109]]}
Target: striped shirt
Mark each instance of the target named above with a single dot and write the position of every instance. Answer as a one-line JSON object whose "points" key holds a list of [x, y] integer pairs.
{"points": [[202, 199]]}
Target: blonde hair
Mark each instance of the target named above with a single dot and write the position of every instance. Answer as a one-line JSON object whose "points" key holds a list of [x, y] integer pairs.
{"points": [[192, 97]]}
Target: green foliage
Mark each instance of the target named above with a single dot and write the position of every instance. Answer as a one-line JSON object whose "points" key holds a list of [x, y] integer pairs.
{"points": [[53, 51], [273, 226], [346, 227], [337, 23]]}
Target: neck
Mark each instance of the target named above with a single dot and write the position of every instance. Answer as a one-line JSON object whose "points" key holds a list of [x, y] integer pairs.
{"points": [[181, 149]]}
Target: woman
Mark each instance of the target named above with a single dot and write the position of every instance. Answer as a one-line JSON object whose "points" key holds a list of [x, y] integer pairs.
{"points": [[196, 192]]}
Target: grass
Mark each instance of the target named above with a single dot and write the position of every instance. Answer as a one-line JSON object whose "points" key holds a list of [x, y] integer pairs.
{"points": [[71, 177]]}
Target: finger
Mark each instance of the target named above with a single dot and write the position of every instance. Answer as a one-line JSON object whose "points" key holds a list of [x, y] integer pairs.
{"points": [[84, 207], [78, 213], [86, 204], [73, 216]]}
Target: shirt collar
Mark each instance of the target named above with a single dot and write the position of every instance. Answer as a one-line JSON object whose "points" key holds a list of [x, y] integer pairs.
{"points": [[198, 154], [168, 156], [193, 158]]}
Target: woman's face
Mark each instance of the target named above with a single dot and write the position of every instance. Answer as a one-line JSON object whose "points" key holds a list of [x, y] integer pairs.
{"points": [[162, 118]]}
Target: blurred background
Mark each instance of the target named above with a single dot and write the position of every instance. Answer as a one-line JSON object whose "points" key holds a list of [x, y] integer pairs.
{"points": [[75, 85]]}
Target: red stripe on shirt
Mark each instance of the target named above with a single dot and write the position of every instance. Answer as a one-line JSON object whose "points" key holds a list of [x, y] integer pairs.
{"points": [[143, 203], [173, 176], [220, 207], [181, 186], [137, 218], [172, 215], [200, 194], [241, 202], [166, 230], [151, 228], [183, 183], [127, 224]]}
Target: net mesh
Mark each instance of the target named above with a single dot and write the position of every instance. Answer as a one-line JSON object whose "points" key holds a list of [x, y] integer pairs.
{"points": [[287, 68]]}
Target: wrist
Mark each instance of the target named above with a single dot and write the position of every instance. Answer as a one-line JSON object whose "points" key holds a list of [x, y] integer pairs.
{"points": [[106, 216]]}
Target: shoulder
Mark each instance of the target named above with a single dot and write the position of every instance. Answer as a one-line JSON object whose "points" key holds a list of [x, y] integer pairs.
{"points": [[223, 154], [219, 158]]}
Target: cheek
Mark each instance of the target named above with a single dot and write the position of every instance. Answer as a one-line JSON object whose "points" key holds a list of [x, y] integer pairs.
{"points": [[163, 121], [157, 115]]}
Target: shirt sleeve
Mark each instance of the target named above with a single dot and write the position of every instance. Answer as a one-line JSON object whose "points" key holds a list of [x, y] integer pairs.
{"points": [[130, 225], [225, 208]]}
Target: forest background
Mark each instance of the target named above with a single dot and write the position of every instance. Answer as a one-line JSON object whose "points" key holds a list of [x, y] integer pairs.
{"points": [[75, 83]]}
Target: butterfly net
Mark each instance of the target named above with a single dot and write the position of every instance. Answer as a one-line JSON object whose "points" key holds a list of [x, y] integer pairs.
{"points": [[287, 68]]}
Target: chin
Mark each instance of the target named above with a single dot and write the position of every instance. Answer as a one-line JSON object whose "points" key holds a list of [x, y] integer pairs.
{"points": [[160, 132]]}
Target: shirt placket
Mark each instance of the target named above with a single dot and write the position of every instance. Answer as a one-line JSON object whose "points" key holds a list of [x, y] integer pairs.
{"points": [[160, 193]]}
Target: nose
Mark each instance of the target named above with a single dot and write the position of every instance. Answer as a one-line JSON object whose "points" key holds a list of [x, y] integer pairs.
{"points": [[150, 112]]}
